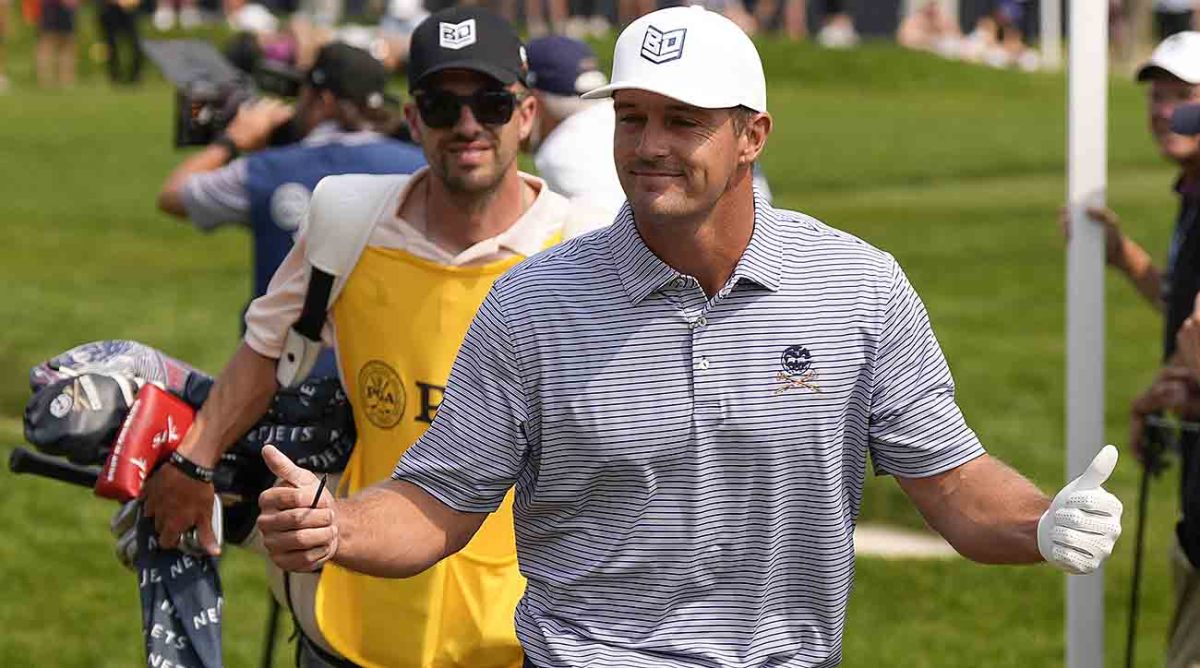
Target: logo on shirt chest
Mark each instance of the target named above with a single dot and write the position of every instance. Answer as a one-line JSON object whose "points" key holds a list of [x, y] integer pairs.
{"points": [[798, 372]]}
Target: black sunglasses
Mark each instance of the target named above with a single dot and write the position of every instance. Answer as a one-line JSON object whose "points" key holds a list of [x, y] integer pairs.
{"points": [[441, 109]]}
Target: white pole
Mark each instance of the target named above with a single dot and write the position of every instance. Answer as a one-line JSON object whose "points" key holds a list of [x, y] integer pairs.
{"points": [[1087, 155], [1051, 34]]}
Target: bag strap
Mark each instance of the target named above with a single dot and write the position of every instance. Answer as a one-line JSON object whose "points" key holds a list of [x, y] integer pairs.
{"points": [[341, 216]]}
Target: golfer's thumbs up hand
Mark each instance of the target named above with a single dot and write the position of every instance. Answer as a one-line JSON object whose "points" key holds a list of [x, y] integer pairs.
{"points": [[299, 535], [287, 472], [1078, 531]]}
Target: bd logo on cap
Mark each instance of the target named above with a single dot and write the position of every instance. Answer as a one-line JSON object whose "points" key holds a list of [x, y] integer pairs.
{"points": [[660, 47], [457, 35]]}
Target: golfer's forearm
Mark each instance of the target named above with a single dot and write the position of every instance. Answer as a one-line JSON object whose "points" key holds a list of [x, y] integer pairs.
{"points": [[397, 530], [239, 397], [988, 512], [990, 538]]}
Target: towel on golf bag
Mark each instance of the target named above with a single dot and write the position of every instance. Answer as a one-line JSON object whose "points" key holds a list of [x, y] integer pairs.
{"points": [[181, 604]]}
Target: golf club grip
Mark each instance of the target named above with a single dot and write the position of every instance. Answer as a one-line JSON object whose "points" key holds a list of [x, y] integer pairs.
{"points": [[22, 460]]}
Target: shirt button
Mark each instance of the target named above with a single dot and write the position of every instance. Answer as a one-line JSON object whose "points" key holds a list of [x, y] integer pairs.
{"points": [[703, 364], [677, 283]]}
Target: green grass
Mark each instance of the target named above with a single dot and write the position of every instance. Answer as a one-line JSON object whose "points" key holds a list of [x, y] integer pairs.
{"points": [[957, 170]]}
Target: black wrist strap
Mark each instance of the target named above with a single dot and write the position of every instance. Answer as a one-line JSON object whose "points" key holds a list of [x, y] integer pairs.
{"points": [[190, 468], [224, 141]]}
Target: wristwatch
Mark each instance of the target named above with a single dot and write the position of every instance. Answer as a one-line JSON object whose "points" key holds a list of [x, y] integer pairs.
{"points": [[190, 468], [228, 144]]}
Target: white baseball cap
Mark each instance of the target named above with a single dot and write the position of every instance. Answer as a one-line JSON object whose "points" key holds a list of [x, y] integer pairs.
{"points": [[688, 54], [1177, 55]]}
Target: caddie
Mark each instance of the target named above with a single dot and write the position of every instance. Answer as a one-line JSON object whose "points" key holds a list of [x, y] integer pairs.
{"points": [[685, 403], [413, 259]]}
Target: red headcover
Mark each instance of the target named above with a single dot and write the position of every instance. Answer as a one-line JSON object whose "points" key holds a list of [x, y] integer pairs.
{"points": [[153, 429]]}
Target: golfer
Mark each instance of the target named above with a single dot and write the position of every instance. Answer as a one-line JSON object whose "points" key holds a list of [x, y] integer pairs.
{"points": [[686, 403]]}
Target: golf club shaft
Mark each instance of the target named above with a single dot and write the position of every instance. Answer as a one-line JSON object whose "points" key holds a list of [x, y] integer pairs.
{"points": [[22, 460], [1135, 589]]}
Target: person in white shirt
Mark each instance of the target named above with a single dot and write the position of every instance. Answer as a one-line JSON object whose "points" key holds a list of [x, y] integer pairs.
{"points": [[572, 141]]}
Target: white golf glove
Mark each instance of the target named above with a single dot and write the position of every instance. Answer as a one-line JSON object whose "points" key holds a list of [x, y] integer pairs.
{"points": [[1078, 531]]}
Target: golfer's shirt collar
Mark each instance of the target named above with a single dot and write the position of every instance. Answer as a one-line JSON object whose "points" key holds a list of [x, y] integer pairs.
{"points": [[642, 273]]}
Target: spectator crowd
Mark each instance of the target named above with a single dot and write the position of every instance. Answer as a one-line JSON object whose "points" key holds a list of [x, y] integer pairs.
{"points": [[992, 32]]}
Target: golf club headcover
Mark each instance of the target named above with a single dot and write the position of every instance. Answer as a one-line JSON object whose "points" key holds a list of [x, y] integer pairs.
{"points": [[129, 359], [78, 417], [156, 424]]}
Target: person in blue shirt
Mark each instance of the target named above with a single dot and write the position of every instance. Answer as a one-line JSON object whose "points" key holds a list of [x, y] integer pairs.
{"points": [[238, 179]]}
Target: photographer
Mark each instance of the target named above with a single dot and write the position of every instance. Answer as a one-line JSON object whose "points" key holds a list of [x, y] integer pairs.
{"points": [[1173, 78], [337, 118]]}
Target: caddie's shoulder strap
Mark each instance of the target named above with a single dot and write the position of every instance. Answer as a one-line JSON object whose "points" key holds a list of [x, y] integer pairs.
{"points": [[342, 214]]}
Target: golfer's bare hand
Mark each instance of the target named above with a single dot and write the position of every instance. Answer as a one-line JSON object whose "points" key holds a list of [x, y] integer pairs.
{"points": [[255, 121], [297, 536], [1113, 239], [177, 503]]}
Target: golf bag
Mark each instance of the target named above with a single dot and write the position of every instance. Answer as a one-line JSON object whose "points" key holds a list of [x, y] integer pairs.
{"points": [[127, 406], [83, 409]]}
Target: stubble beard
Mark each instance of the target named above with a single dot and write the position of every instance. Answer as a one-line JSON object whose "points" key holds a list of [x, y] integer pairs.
{"points": [[480, 182]]}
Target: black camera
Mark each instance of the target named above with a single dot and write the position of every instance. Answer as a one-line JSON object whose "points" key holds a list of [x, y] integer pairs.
{"points": [[209, 89]]}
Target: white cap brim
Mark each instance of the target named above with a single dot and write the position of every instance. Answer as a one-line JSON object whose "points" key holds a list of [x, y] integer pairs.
{"points": [[1146, 72], [684, 94]]}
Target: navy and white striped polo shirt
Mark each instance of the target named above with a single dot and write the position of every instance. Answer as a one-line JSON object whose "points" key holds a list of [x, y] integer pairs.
{"points": [[689, 470]]}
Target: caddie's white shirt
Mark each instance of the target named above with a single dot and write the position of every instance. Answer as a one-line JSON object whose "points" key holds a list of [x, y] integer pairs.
{"points": [[269, 317], [688, 470], [576, 159]]}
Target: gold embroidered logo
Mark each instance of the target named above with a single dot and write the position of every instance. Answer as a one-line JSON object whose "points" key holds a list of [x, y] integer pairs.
{"points": [[797, 371], [382, 394]]}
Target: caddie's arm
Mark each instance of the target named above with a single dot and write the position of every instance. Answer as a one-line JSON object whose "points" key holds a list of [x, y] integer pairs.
{"points": [[991, 514], [393, 529], [239, 397]]}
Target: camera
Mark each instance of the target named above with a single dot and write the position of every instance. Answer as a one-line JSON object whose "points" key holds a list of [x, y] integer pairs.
{"points": [[209, 89]]}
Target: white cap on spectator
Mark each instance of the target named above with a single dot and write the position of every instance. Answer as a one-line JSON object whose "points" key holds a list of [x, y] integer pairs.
{"points": [[1177, 55], [255, 18], [688, 54]]}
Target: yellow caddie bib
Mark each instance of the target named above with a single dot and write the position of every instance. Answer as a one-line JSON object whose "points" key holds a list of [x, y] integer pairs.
{"points": [[400, 321]]}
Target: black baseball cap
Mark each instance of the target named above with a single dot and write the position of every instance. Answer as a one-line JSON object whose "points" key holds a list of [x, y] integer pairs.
{"points": [[350, 73], [466, 38]]}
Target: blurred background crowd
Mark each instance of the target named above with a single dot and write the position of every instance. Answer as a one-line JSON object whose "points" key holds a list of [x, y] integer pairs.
{"points": [[992, 32]]}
